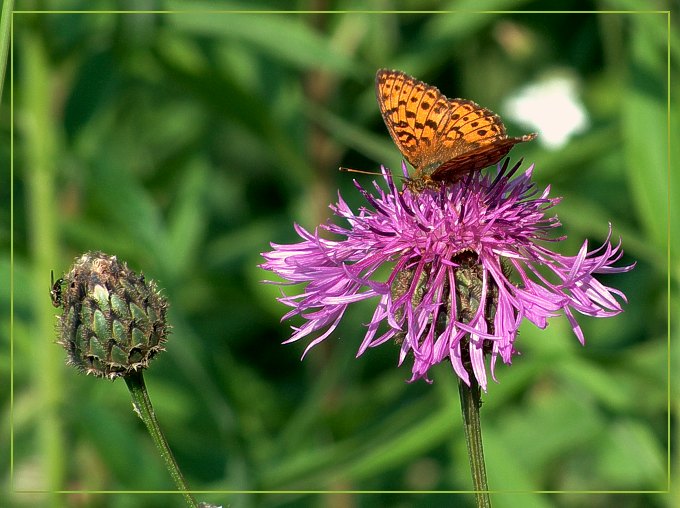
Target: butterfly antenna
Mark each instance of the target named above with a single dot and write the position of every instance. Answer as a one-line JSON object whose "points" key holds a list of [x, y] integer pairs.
{"points": [[351, 170]]}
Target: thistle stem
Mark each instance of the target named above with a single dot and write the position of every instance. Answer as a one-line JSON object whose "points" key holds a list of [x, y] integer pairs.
{"points": [[144, 409], [470, 403]]}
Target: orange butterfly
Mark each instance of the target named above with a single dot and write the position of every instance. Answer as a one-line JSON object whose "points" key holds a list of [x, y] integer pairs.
{"points": [[443, 139]]}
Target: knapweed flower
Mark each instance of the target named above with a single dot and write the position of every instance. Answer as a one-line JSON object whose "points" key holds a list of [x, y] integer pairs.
{"points": [[466, 264]]}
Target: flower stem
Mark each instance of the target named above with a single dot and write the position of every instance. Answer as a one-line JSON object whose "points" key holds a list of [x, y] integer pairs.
{"points": [[144, 409], [470, 403]]}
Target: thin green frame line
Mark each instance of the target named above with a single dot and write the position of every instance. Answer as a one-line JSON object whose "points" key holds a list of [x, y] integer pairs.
{"points": [[668, 373], [415, 492], [247, 11], [668, 233], [11, 243]]}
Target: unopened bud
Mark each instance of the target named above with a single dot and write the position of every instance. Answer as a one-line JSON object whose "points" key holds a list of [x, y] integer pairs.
{"points": [[113, 320]]}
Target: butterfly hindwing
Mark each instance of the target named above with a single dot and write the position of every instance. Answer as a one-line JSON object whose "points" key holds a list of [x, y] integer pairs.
{"points": [[477, 159]]}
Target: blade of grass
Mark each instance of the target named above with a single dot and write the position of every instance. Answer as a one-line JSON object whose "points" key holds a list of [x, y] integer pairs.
{"points": [[5, 26], [40, 147]]}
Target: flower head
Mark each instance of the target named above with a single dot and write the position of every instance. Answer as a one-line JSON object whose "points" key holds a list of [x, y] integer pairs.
{"points": [[113, 321], [466, 266]]}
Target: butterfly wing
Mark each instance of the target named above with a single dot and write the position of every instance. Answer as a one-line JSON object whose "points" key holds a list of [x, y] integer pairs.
{"points": [[486, 153], [442, 138], [415, 114]]}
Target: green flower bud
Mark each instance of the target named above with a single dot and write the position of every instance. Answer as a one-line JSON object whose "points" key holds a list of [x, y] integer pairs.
{"points": [[113, 320]]}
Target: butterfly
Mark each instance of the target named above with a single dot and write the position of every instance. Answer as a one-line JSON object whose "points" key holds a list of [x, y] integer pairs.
{"points": [[443, 139]]}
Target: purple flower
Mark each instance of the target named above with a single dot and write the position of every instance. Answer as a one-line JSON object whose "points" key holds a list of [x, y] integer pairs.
{"points": [[466, 265]]}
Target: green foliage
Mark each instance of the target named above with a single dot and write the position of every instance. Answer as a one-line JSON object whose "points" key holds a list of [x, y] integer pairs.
{"points": [[185, 143]]}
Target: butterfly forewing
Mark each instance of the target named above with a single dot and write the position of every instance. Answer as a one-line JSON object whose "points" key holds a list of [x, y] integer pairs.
{"points": [[441, 138], [415, 115]]}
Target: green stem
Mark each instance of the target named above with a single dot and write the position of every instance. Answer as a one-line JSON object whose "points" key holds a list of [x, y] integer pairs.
{"points": [[143, 408], [470, 403]]}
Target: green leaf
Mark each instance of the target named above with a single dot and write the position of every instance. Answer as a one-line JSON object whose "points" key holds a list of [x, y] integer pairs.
{"points": [[289, 38], [188, 221], [645, 124]]}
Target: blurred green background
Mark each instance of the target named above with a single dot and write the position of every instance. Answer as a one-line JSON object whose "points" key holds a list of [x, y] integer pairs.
{"points": [[184, 143]]}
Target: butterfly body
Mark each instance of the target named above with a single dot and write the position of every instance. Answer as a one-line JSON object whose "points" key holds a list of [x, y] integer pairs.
{"points": [[443, 139]]}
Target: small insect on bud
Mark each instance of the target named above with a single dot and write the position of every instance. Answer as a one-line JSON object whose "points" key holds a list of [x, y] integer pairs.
{"points": [[113, 320], [55, 290]]}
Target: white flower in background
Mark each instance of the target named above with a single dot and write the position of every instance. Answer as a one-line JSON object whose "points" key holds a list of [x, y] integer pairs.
{"points": [[552, 107]]}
